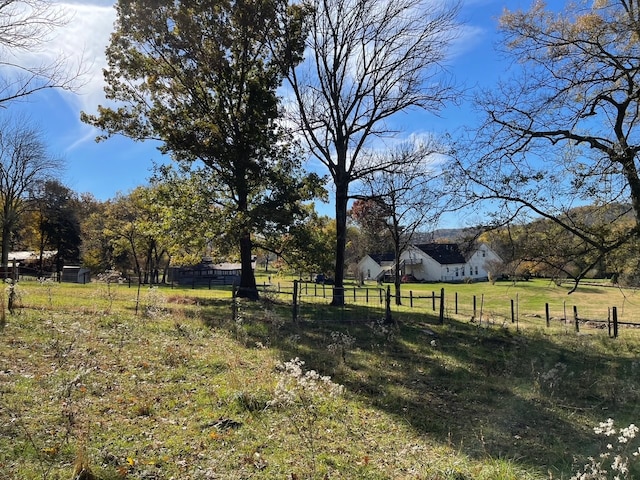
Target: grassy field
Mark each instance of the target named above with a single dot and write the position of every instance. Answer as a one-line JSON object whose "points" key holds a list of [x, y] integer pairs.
{"points": [[98, 382]]}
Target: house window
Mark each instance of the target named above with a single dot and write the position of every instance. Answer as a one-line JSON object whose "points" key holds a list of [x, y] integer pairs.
{"points": [[463, 271], [476, 270], [484, 253], [456, 271]]}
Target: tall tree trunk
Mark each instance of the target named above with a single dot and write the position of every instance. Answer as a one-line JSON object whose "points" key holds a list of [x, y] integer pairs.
{"points": [[6, 238], [248, 288], [342, 192], [397, 274], [136, 266]]}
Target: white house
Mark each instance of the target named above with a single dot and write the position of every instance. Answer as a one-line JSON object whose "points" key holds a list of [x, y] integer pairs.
{"points": [[372, 266], [437, 262]]}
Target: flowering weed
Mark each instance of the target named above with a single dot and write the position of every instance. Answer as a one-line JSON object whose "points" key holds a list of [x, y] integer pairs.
{"points": [[306, 396], [618, 458]]}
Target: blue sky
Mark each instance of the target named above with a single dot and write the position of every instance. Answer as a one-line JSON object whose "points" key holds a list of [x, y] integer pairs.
{"points": [[119, 165]]}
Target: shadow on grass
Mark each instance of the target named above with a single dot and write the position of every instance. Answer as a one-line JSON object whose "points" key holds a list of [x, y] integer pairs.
{"points": [[484, 390]]}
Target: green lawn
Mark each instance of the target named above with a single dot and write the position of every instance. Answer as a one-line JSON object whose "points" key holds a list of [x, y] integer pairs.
{"points": [[186, 389]]}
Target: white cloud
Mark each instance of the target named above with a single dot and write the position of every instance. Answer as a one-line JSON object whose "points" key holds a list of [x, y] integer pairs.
{"points": [[85, 38], [80, 43]]}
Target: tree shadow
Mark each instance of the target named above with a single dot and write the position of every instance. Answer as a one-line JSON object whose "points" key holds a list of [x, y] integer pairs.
{"points": [[486, 390]]}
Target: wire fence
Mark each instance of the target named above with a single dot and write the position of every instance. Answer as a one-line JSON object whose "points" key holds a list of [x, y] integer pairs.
{"points": [[311, 301], [553, 314]]}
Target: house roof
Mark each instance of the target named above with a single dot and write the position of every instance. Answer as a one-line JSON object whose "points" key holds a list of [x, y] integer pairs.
{"points": [[443, 253], [31, 254], [383, 257]]}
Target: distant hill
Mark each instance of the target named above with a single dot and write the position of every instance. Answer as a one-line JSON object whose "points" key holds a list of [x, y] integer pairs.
{"points": [[441, 235]]}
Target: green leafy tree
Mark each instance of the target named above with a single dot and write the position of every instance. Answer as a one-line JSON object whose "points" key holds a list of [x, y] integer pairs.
{"points": [[201, 76], [189, 218], [57, 210], [96, 252], [131, 227], [307, 246], [562, 130]]}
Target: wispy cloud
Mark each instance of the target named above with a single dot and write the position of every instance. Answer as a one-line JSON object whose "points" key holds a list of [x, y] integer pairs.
{"points": [[84, 38]]}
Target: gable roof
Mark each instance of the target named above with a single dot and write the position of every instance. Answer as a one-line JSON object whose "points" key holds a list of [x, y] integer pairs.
{"points": [[443, 253], [383, 257]]}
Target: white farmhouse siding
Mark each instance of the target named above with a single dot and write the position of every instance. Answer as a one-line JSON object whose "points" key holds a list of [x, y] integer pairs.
{"points": [[372, 266], [445, 262], [480, 260], [433, 262]]}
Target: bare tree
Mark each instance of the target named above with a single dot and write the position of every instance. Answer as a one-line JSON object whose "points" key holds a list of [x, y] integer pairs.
{"points": [[24, 163], [408, 198], [368, 60], [562, 131], [27, 26]]}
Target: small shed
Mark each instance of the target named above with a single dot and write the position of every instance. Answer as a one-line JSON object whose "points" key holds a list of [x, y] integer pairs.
{"points": [[206, 273], [75, 274]]}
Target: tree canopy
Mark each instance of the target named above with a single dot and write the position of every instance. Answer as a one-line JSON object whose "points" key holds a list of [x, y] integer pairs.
{"points": [[201, 76]]}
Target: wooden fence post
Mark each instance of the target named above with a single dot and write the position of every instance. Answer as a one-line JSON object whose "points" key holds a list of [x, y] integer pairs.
{"points": [[441, 316], [411, 298], [456, 303], [615, 322], [234, 304], [366, 295], [575, 318], [433, 301], [546, 313], [387, 309], [474, 307], [295, 301], [513, 312]]}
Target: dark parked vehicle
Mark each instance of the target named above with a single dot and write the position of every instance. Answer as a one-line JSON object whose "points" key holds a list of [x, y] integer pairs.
{"points": [[322, 278]]}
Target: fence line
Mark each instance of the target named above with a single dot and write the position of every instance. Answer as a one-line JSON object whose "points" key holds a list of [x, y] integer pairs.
{"points": [[608, 318]]}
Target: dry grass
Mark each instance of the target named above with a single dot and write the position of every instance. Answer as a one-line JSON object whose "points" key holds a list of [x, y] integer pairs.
{"points": [[182, 390]]}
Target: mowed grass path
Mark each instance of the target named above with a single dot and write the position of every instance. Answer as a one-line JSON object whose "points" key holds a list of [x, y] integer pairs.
{"points": [[185, 390]]}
